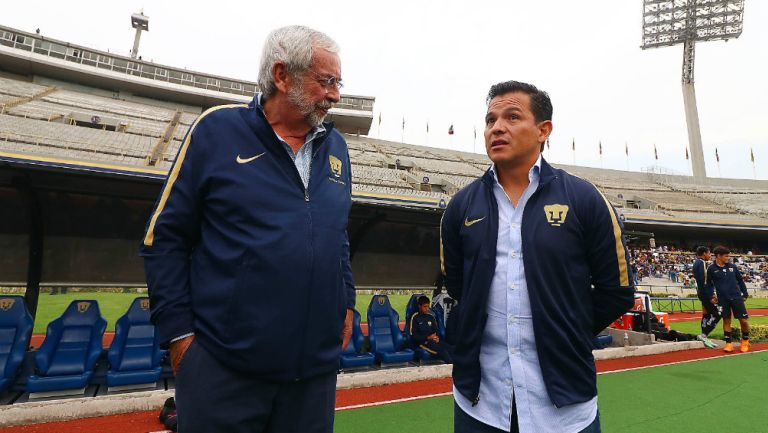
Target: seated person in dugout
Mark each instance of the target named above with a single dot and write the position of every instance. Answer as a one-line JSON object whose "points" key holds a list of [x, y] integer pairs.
{"points": [[424, 333]]}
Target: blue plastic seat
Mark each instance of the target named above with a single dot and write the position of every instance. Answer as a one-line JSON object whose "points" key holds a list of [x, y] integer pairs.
{"points": [[353, 357], [15, 331], [384, 333], [66, 359], [135, 354]]}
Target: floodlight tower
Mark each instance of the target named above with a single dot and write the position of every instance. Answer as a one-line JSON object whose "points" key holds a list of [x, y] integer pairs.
{"points": [[140, 22], [672, 22]]}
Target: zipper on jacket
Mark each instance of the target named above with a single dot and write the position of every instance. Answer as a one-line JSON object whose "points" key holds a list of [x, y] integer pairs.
{"points": [[476, 400]]}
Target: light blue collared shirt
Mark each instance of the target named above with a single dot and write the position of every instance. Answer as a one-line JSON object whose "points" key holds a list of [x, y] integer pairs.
{"points": [[509, 363], [303, 158]]}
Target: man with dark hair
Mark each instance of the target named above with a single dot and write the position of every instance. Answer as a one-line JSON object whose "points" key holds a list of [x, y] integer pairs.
{"points": [[726, 287], [521, 250], [709, 313], [422, 326], [246, 253]]}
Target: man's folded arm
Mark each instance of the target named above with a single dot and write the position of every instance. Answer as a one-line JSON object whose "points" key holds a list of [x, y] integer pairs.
{"points": [[608, 257], [171, 235]]}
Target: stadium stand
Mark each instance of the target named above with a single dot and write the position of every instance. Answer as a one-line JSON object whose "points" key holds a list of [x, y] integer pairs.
{"points": [[65, 361], [15, 331], [386, 339], [134, 355]]}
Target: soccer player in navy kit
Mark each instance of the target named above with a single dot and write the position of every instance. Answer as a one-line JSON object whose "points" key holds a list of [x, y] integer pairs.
{"points": [[726, 287], [709, 311]]}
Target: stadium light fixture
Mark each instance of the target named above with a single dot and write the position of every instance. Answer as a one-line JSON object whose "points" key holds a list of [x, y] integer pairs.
{"points": [[673, 22], [140, 22]]}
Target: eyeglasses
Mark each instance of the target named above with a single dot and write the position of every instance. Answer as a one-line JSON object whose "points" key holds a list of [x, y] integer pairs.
{"points": [[327, 82]]}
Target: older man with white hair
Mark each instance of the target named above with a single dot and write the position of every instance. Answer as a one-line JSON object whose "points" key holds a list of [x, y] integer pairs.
{"points": [[247, 255]]}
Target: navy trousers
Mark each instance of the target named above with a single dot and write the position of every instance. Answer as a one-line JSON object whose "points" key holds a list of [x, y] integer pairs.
{"points": [[465, 423], [212, 398]]}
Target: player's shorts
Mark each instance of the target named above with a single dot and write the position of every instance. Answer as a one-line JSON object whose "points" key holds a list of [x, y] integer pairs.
{"points": [[708, 306], [736, 305]]}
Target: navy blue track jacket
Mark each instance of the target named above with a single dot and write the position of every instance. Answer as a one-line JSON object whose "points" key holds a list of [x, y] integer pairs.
{"points": [[572, 240], [238, 252], [700, 275], [726, 280]]}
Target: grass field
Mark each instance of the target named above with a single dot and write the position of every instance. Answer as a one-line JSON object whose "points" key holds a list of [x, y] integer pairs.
{"points": [[694, 327], [718, 395]]}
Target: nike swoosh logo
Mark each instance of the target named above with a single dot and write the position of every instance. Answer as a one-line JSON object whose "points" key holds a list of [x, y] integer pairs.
{"points": [[247, 160], [468, 222]]}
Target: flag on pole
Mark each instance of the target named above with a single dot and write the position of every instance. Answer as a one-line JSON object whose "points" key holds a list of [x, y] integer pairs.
{"points": [[403, 122], [686, 153], [474, 132], [427, 126], [751, 155], [379, 119], [450, 129], [547, 143], [655, 152], [573, 144], [600, 147], [717, 155], [626, 148]]}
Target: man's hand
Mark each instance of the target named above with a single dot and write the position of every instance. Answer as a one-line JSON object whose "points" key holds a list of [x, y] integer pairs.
{"points": [[434, 337], [178, 350], [346, 333], [714, 300], [745, 296]]}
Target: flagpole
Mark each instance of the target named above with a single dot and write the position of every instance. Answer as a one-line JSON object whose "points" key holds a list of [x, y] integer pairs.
{"points": [[626, 153], [573, 146], [402, 132], [600, 146]]}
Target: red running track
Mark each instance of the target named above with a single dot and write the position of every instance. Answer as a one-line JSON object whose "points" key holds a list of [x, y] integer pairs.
{"points": [[144, 422]]}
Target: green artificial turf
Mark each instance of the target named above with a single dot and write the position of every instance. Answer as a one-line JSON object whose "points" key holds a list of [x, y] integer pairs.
{"points": [[419, 416], [720, 395], [716, 395], [112, 306], [694, 327]]}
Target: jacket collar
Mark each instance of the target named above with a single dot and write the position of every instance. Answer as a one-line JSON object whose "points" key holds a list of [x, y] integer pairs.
{"points": [[546, 174]]}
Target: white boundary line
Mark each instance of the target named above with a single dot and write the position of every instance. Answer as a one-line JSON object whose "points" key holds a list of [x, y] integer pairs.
{"points": [[643, 367], [399, 400]]}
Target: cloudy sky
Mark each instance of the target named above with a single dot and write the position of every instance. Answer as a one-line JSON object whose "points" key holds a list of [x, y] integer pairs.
{"points": [[433, 61]]}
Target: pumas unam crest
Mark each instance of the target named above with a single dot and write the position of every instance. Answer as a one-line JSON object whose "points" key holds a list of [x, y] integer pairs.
{"points": [[144, 304], [82, 307], [556, 214], [6, 303], [335, 165]]}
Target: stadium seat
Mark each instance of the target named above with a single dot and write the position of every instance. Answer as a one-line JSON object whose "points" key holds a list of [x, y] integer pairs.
{"points": [[15, 331], [353, 357], [384, 332], [66, 359], [135, 354], [603, 341]]}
